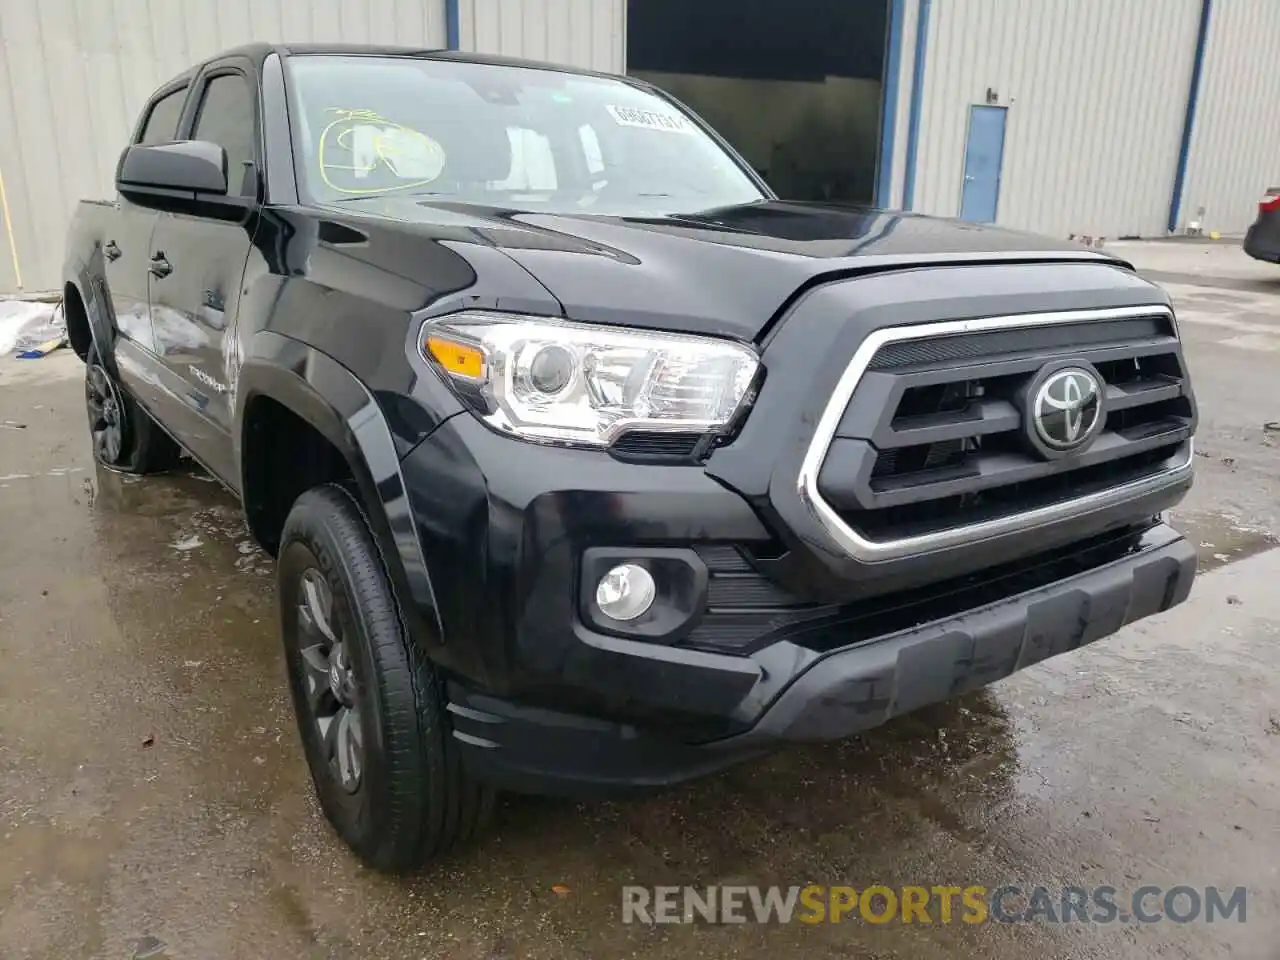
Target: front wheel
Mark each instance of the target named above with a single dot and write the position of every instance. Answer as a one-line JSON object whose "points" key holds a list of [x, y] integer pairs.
{"points": [[369, 705]]}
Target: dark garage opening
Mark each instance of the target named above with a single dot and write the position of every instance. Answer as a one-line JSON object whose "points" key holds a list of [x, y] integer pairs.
{"points": [[795, 85]]}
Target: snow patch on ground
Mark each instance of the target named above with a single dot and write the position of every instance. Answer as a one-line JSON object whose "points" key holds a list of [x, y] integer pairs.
{"points": [[25, 324]]}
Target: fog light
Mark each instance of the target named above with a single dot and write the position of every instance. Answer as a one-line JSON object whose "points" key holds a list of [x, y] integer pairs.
{"points": [[625, 592]]}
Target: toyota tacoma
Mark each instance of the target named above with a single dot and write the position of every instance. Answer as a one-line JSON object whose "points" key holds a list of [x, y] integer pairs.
{"points": [[588, 465]]}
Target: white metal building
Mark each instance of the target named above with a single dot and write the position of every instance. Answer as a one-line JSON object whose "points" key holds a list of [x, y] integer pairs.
{"points": [[1097, 118], [1139, 118]]}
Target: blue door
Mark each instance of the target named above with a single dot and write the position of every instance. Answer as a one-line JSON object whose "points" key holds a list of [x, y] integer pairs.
{"points": [[983, 153]]}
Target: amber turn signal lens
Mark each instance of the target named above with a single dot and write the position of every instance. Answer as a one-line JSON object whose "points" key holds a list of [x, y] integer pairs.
{"points": [[459, 359]]}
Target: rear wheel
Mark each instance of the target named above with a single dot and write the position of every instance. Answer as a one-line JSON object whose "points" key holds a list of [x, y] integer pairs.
{"points": [[124, 436], [369, 705]]}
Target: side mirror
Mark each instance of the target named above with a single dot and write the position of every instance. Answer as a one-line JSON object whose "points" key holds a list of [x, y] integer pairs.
{"points": [[186, 167], [184, 176]]}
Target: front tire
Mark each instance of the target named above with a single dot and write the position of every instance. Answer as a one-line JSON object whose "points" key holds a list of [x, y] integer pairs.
{"points": [[369, 705], [124, 436]]}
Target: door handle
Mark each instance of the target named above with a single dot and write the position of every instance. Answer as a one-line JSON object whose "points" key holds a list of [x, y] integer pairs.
{"points": [[160, 267], [111, 250]]}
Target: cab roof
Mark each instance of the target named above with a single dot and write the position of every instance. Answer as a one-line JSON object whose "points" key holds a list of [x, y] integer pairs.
{"points": [[258, 52]]}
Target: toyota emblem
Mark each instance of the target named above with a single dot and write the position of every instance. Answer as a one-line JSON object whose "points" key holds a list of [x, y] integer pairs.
{"points": [[1066, 409]]}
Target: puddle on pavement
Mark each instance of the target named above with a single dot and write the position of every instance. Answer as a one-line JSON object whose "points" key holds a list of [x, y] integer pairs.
{"points": [[1220, 539], [186, 488], [203, 513]]}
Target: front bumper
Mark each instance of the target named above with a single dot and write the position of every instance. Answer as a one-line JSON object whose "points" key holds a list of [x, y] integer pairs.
{"points": [[840, 693], [854, 689], [504, 544]]}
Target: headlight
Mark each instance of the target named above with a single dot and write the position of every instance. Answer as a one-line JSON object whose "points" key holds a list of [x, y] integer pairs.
{"points": [[551, 380]]}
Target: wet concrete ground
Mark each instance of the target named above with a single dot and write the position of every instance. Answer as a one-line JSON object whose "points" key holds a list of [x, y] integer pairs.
{"points": [[155, 801]]}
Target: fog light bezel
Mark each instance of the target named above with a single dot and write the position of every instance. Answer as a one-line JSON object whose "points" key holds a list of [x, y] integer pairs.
{"points": [[680, 591]]}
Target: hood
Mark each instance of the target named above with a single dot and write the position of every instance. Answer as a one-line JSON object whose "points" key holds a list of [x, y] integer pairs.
{"points": [[726, 271]]}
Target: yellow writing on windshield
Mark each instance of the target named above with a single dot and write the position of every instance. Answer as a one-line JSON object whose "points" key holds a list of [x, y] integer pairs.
{"points": [[363, 145]]}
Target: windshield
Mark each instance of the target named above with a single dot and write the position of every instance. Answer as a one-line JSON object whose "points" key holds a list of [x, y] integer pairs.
{"points": [[516, 137]]}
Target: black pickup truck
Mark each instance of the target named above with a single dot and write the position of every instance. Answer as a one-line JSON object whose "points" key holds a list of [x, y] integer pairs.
{"points": [[587, 463]]}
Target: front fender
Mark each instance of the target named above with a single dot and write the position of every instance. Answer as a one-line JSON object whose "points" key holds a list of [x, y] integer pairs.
{"points": [[330, 398]]}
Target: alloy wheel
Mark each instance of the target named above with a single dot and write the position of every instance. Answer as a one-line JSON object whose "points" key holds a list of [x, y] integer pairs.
{"points": [[106, 414], [329, 681]]}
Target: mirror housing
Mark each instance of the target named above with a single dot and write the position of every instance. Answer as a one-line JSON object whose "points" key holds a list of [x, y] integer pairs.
{"points": [[189, 166], [185, 174]]}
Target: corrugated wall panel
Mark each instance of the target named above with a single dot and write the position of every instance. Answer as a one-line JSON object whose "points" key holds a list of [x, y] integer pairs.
{"points": [[74, 75], [590, 34], [1096, 93], [1235, 145]]}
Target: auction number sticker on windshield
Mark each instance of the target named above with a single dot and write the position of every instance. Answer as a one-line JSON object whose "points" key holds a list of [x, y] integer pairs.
{"points": [[650, 119]]}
